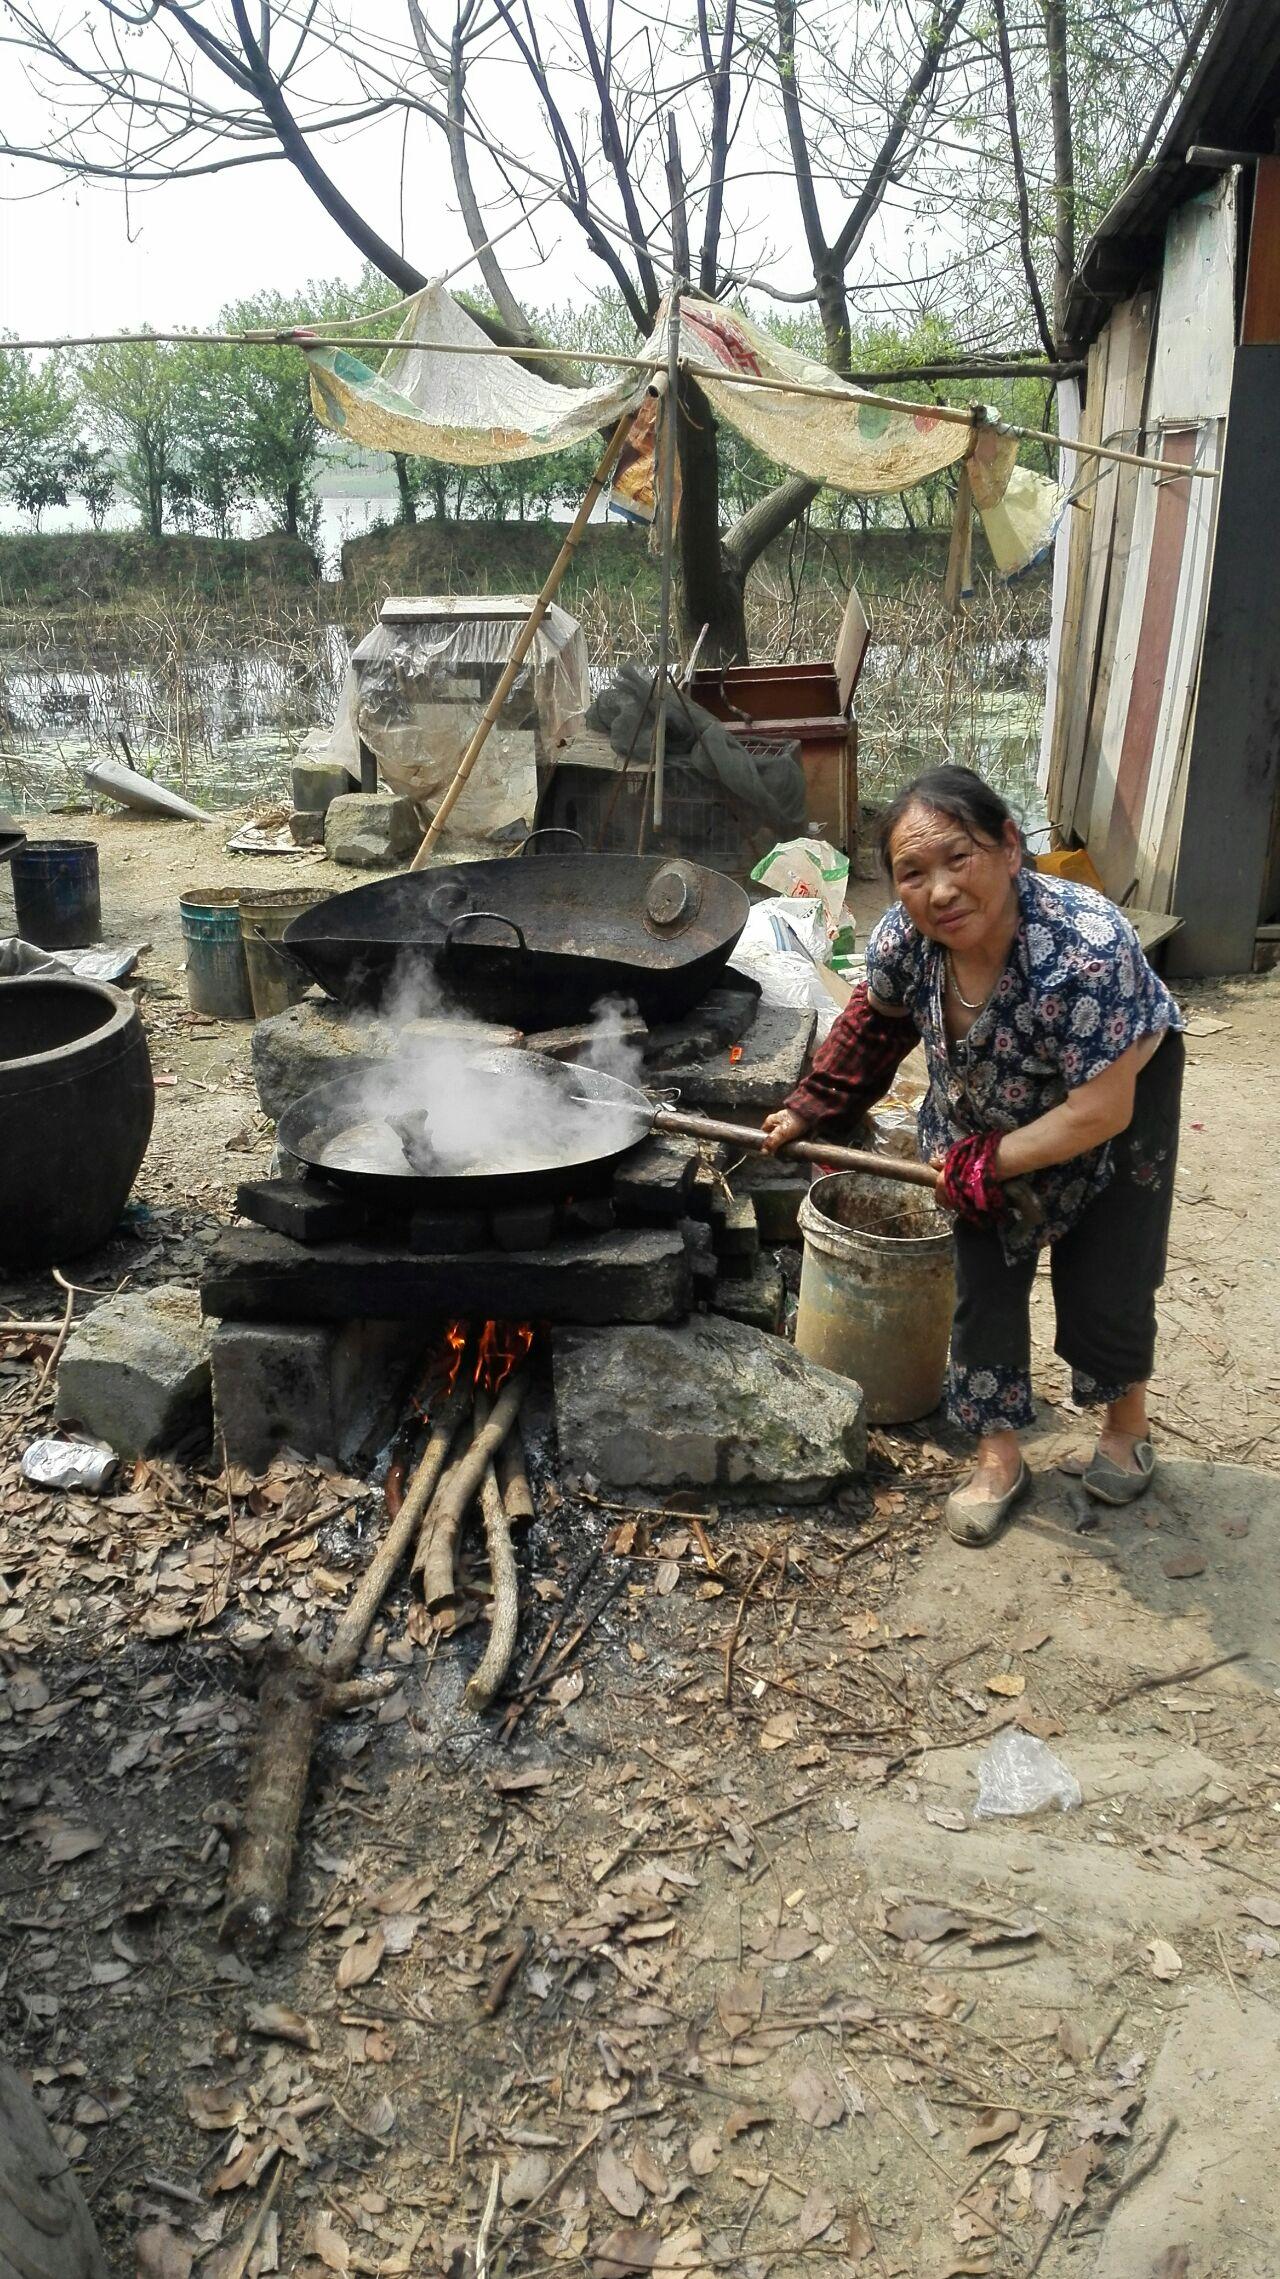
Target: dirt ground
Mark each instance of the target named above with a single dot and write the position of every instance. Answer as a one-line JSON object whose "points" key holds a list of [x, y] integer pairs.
{"points": [[780, 1999]]}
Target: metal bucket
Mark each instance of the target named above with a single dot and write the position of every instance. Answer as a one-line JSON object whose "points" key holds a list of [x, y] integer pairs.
{"points": [[276, 980], [56, 893], [217, 976], [877, 1291]]}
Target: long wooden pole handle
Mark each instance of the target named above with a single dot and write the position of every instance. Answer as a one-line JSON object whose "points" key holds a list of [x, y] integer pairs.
{"points": [[525, 639], [900, 1167]]}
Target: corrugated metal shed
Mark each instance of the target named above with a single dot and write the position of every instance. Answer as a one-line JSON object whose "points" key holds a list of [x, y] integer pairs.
{"points": [[1232, 100]]}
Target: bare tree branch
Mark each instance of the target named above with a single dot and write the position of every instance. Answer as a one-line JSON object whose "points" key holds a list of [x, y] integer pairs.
{"points": [[1043, 326]]}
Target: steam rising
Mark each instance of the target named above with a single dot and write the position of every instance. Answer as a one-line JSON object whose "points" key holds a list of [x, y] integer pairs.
{"points": [[449, 1104]]}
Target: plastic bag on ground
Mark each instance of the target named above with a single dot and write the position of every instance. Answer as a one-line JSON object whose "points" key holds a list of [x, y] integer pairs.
{"points": [[783, 946], [1018, 1775], [83, 1464]]}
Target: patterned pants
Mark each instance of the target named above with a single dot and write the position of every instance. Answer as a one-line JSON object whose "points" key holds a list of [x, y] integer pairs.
{"points": [[1105, 1272]]}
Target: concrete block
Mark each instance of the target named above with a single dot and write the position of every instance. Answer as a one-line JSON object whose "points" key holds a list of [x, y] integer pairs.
{"points": [[441, 1231], [135, 1372], [371, 830], [306, 827], [321, 1390], [759, 1296], [310, 1213], [527, 1227], [317, 783], [734, 1231], [629, 1034], [776, 1190], [655, 1181], [714, 1404]]}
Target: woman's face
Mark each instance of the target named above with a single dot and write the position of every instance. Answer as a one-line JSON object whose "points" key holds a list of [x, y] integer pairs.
{"points": [[954, 887]]}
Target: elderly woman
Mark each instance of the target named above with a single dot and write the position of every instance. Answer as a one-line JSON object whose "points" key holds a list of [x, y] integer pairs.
{"points": [[1055, 1066]]}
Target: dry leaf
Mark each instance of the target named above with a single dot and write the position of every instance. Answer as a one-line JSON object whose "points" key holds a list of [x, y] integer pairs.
{"points": [[1174, 2263], [920, 1920], [623, 2252], [814, 2098], [281, 2024], [704, 2152], [1009, 1684], [665, 1577], [362, 1961], [859, 2238], [946, 1816], [779, 1729], [160, 2253], [990, 2127], [513, 1784], [328, 2244], [62, 1842], [1073, 2040], [525, 2178], [1263, 1909], [817, 2213], [745, 2117], [740, 2002], [1166, 1962], [619, 2183]]}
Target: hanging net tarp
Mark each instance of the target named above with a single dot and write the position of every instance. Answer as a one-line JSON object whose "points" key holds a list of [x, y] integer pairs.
{"points": [[474, 409]]}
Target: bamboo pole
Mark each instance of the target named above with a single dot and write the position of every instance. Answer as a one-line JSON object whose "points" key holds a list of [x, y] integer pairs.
{"points": [[667, 485], [525, 639]]}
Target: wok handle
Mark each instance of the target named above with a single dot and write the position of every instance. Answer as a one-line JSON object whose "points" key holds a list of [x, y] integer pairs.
{"points": [[550, 831], [465, 916], [287, 957], [813, 1151]]}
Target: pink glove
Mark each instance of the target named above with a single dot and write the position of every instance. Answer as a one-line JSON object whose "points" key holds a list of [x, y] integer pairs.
{"points": [[967, 1183]]}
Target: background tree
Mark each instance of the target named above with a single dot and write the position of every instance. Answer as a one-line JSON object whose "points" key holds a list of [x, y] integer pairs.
{"points": [[39, 433], [134, 394]]}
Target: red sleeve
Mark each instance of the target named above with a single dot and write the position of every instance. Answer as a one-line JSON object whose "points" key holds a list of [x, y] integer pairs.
{"points": [[856, 1065]]}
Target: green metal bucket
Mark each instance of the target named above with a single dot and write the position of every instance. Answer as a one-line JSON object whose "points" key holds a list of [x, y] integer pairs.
{"points": [[217, 975]]}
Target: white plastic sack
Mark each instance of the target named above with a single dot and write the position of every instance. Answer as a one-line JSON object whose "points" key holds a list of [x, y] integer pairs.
{"points": [[1019, 1775], [783, 946]]}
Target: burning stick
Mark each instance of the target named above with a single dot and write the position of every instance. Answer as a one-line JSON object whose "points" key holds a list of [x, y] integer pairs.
{"points": [[295, 1698], [487, 1680], [513, 1478], [444, 1520]]}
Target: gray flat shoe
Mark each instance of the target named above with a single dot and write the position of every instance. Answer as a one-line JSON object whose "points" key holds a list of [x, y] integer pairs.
{"points": [[979, 1523], [1108, 1482]]}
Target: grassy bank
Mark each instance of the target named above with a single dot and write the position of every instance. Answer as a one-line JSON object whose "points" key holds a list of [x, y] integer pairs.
{"points": [[57, 571]]}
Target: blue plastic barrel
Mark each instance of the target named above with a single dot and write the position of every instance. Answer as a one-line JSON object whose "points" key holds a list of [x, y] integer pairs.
{"points": [[217, 975], [56, 893]]}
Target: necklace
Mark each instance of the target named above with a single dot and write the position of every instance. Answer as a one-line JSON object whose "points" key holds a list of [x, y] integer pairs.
{"points": [[970, 1004]]}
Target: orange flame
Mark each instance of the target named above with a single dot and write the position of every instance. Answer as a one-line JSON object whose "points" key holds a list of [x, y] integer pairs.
{"points": [[503, 1346]]}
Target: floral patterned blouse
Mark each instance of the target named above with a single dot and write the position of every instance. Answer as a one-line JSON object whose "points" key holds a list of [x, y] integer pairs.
{"points": [[1075, 993]]}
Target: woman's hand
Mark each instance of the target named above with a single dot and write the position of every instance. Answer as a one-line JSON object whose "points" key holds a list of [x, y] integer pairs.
{"points": [[783, 1126]]}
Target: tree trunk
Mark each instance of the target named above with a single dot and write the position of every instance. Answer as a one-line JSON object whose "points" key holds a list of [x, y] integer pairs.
{"points": [[291, 491], [408, 507], [712, 588], [1064, 167]]}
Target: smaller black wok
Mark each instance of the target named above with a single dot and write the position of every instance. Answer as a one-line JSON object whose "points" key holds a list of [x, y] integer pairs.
{"points": [[469, 1130], [530, 942]]}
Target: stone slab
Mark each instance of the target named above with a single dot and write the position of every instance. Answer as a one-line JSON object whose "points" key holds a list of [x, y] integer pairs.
{"points": [[135, 1371], [715, 1404], [306, 827], [734, 1229], [371, 830], [773, 1057], [320, 1390], [759, 1296], [720, 1019], [580, 1042], [1216, 2192], [635, 1275], [317, 783]]}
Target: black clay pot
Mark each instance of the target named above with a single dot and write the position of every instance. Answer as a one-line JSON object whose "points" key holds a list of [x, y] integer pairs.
{"points": [[76, 1104]]}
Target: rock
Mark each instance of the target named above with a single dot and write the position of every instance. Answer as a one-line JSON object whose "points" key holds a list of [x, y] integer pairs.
{"points": [[759, 1296], [294, 1050], [777, 1189], [306, 827], [655, 1180], [771, 1063], [317, 783], [718, 1021], [371, 830], [714, 1404], [321, 1391], [734, 1229], [136, 1371]]}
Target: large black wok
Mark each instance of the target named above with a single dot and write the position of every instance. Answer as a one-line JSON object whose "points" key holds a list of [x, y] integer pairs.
{"points": [[455, 1128], [531, 942]]}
